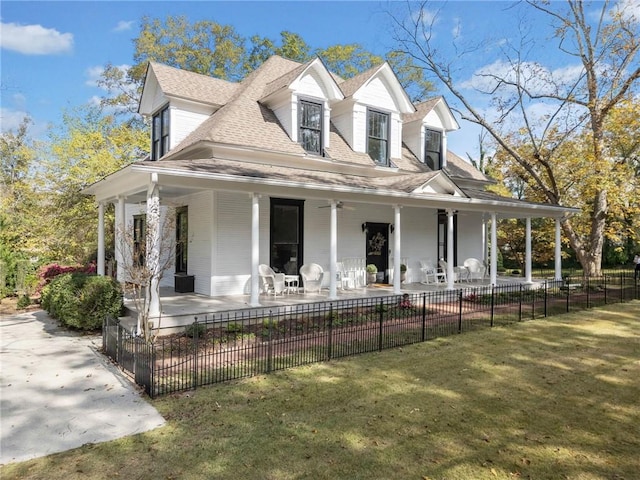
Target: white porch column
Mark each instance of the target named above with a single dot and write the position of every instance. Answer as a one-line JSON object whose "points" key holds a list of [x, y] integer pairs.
{"points": [[450, 256], [100, 265], [527, 255], [120, 239], [254, 301], [494, 250], [154, 243], [558, 253], [397, 251], [333, 251]]}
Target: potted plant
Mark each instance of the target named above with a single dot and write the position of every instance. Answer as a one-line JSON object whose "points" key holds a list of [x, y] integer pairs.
{"points": [[372, 270], [403, 272]]}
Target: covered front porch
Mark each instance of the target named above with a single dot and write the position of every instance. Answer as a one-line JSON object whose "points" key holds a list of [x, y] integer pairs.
{"points": [[179, 309]]}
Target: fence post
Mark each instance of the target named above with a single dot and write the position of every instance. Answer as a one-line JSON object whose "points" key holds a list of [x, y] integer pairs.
{"points": [[270, 346], [460, 312], [381, 323], [424, 315], [546, 286], [567, 285], [493, 303], [195, 352], [605, 289], [520, 304], [330, 339], [588, 282], [119, 345]]}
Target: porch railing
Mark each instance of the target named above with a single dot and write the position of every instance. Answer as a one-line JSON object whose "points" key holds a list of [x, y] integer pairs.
{"points": [[231, 345]]}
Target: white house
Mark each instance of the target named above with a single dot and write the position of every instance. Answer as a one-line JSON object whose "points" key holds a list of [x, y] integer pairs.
{"points": [[295, 165]]}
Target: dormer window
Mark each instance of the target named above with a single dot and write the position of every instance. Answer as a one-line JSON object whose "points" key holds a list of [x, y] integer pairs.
{"points": [[160, 134], [433, 149], [378, 137], [310, 136]]}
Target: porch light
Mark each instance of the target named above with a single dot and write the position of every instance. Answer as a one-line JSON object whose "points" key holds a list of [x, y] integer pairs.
{"points": [[364, 227]]}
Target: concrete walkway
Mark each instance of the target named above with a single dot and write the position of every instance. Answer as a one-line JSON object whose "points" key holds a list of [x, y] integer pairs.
{"points": [[58, 392]]}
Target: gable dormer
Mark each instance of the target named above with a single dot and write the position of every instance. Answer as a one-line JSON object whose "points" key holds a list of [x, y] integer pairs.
{"points": [[302, 101], [425, 132], [178, 102], [370, 117]]}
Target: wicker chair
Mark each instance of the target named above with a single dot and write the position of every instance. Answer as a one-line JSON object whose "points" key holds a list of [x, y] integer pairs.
{"points": [[311, 277]]}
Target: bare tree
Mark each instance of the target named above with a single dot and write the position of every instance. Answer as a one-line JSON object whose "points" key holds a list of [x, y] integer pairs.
{"points": [[147, 249], [574, 106]]}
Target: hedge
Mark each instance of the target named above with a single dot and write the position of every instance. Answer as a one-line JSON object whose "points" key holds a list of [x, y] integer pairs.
{"points": [[81, 301]]}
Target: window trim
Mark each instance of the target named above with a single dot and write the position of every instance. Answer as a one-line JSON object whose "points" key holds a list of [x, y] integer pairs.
{"points": [[320, 130], [160, 144], [387, 115], [439, 152]]}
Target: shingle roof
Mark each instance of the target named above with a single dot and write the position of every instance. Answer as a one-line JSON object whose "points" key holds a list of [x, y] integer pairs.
{"points": [[458, 167], [350, 86], [422, 109], [193, 86]]}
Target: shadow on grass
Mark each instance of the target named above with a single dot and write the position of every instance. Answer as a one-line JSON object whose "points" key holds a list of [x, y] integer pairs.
{"points": [[542, 399]]}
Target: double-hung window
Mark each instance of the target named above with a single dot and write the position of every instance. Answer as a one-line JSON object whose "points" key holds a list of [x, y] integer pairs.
{"points": [[310, 134], [378, 137], [160, 134], [433, 149]]}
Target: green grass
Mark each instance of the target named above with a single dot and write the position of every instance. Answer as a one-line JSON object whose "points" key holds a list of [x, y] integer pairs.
{"points": [[557, 398]]}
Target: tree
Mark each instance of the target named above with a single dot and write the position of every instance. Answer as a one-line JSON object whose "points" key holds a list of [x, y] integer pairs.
{"points": [[575, 107], [88, 147]]}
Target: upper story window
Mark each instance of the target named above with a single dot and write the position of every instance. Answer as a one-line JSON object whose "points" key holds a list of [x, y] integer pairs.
{"points": [[310, 135], [378, 137], [160, 134], [433, 149]]}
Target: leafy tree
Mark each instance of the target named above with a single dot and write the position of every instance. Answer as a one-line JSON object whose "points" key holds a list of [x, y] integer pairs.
{"points": [[89, 147], [576, 108]]}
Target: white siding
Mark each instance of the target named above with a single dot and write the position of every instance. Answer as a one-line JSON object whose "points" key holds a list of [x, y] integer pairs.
{"points": [[344, 123], [470, 237], [413, 137], [360, 128], [377, 94], [310, 85], [182, 123], [200, 234]]}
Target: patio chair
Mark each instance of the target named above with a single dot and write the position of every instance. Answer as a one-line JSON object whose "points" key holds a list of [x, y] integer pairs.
{"points": [[431, 273], [311, 277], [475, 269], [459, 273], [272, 282], [344, 278]]}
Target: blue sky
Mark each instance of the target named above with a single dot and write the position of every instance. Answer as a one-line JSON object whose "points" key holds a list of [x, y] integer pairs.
{"points": [[52, 51]]}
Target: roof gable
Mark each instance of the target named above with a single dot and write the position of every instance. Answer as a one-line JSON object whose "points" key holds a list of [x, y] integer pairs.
{"points": [[434, 106], [356, 87], [293, 80], [169, 82]]}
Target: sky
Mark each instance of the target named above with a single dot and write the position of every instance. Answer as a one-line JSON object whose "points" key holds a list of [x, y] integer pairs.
{"points": [[53, 51]]}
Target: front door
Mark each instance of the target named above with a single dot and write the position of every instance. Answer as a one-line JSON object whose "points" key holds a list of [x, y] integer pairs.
{"points": [[377, 248], [286, 235]]}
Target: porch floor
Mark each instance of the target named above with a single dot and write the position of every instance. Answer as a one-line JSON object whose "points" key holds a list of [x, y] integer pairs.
{"points": [[182, 308]]}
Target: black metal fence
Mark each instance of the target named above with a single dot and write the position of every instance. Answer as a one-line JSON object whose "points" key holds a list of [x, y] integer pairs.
{"points": [[231, 345]]}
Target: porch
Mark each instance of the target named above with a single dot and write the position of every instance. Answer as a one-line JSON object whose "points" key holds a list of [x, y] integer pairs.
{"points": [[179, 309]]}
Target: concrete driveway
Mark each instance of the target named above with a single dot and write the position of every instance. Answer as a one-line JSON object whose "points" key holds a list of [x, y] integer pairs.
{"points": [[58, 392]]}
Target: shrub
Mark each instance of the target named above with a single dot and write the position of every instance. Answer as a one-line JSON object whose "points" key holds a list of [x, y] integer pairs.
{"points": [[23, 302], [82, 301], [195, 329]]}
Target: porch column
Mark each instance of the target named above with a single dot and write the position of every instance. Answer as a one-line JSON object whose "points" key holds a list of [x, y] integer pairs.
{"points": [[254, 301], [333, 251], [100, 266], [120, 239], [397, 251], [494, 251], [154, 241], [558, 253], [450, 256], [527, 255]]}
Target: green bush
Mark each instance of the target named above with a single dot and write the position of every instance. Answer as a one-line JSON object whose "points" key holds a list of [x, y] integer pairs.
{"points": [[195, 329], [82, 301], [23, 302]]}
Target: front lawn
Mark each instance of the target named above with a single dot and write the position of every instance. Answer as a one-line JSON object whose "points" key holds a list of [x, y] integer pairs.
{"points": [[543, 399]]}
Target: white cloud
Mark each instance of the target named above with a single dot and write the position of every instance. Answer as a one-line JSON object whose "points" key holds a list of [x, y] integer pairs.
{"points": [[124, 25], [34, 39], [93, 74], [10, 119]]}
